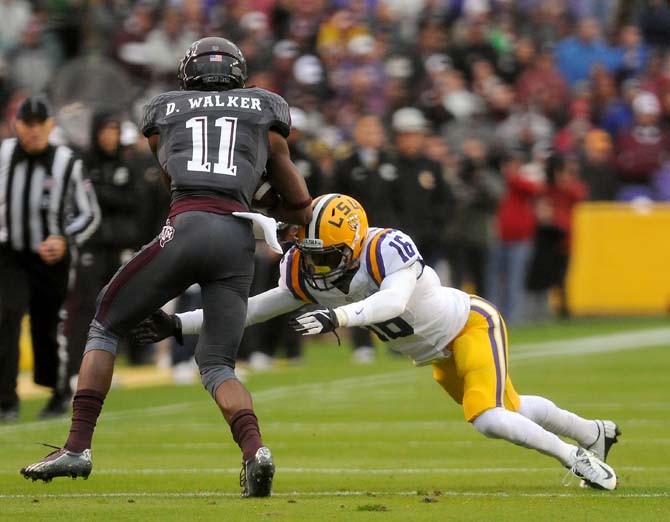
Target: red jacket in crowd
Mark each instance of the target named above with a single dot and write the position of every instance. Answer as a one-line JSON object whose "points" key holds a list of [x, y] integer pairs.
{"points": [[516, 215]]}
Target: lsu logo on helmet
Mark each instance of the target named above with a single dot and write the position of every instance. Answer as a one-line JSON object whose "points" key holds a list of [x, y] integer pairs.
{"points": [[331, 243]]}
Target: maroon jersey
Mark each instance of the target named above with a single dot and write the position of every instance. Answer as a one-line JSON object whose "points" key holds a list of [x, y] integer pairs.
{"points": [[215, 143]]}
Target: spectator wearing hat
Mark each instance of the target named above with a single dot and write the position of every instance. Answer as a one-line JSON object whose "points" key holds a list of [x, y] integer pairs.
{"points": [[642, 150], [422, 194], [48, 204]]}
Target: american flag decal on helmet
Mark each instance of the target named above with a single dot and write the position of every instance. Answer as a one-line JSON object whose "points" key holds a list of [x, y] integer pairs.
{"points": [[215, 58]]}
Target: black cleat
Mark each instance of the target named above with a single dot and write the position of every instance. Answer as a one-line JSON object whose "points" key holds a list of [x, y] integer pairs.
{"points": [[60, 463], [256, 475], [608, 433]]}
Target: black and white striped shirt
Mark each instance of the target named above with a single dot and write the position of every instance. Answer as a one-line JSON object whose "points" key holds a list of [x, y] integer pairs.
{"points": [[44, 195]]}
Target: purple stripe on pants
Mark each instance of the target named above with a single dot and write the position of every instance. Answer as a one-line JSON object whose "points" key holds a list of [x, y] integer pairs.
{"points": [[141, 259], [494, 346]]}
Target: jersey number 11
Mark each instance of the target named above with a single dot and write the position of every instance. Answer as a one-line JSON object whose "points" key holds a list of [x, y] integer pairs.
{"points": [[200, 162]]}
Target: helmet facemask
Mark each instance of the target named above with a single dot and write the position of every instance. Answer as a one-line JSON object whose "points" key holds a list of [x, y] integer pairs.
{"points": [[324, 267]]}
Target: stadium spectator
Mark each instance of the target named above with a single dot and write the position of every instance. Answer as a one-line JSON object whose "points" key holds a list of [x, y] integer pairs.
{"points": [[164, 46], [35, 60], [478, 189], [127, 44], [543, 86], [552, 242], [14, 17], [515, 230], [49, 205], [642, 150], [367, 171], [298, 144], [634, 52], [576, 55], [616, 112], [570, 138], [655, 23], [423, 196], [365, 168]]}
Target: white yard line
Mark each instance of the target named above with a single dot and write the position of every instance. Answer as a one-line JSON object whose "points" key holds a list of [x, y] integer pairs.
{"points": [[592, 344], [308, 494], [352, 471]]}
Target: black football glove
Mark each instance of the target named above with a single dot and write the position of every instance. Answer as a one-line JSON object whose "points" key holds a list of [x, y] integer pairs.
{"points": [[321, 320], [156, 327]]}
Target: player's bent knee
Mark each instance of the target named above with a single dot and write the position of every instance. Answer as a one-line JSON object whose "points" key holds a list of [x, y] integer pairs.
{"points": [[214, 376], [499, 423], [99, 338], [475, 402]]}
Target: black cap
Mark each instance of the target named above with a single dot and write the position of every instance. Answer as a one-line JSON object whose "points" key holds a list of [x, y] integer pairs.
{"points": [[34, 108]]}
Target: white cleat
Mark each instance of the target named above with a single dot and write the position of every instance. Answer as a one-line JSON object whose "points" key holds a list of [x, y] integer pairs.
{"points": [[594, 472]]}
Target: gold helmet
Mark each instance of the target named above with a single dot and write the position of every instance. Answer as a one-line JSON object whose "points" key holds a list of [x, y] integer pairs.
{"points": [[332, 241]]}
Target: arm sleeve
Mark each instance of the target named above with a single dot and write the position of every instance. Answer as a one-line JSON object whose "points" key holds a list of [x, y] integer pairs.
{"points": [[191, 322], [391, 300], [87, 217], [281, 121], [149, 126], [260, 308], [272, 303]]}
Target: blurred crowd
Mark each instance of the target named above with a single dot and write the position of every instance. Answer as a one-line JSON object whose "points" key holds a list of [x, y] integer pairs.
{"points": [[475, 126]]}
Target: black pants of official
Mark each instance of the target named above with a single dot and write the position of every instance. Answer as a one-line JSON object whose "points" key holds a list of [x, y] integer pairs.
{"points": [[27, 284]]}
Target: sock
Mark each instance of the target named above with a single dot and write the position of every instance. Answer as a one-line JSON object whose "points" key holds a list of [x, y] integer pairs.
{"points": [[561, 422], [86, 409], [247, 434], [499, 423]]}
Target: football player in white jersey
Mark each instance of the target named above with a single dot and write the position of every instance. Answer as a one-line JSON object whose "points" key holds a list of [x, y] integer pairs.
{"points": [[375, 277]]}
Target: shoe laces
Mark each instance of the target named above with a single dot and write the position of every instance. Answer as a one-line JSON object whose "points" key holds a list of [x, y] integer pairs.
{"points": [[588, 472], [568, 478], [243, 477], [56, 448]]}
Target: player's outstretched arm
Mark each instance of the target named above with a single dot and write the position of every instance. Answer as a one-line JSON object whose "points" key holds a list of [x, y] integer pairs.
{"points": [[391, 301], [285, 177], [260, 308]]}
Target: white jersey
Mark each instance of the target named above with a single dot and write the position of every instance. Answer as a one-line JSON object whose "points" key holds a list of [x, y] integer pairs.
{"points": [[434, 314]]}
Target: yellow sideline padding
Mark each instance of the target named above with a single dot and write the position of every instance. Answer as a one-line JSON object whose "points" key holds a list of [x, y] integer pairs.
{"points": [[620, 262], [25, 346]]}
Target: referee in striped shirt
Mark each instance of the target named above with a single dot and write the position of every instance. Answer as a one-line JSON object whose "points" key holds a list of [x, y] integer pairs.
{"points": [[46, 205]]}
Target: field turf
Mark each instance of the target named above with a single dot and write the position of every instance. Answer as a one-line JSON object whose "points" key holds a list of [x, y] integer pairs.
{"points": [[372, 443]]}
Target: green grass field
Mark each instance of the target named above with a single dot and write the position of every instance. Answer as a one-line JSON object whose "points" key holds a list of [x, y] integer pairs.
{"points": [[380, 442]]}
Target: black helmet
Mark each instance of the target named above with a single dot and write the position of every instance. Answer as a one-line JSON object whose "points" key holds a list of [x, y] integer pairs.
{"points": [[212, 64]]}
